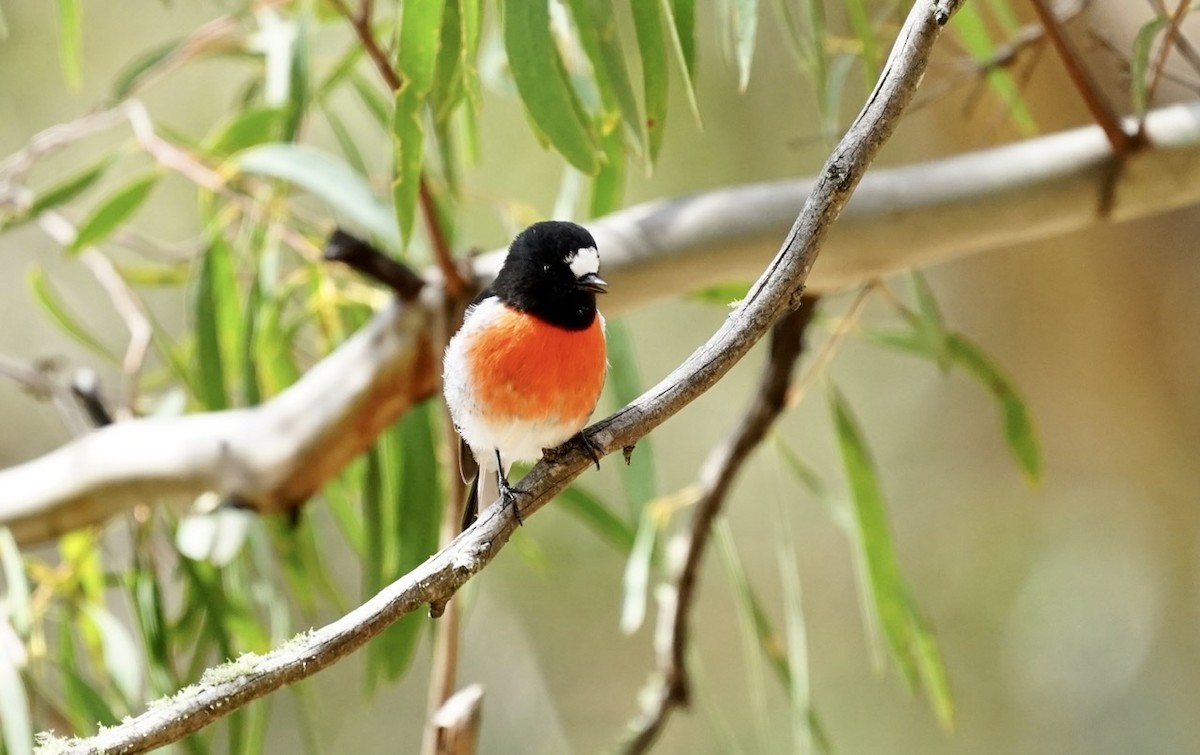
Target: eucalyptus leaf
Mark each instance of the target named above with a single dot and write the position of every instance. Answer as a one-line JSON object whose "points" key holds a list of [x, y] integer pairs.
{"points": [[544, 86], [114, 211]]}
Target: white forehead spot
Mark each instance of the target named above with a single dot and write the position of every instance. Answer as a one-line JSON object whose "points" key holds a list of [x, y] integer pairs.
{"points": [[585, 261]]}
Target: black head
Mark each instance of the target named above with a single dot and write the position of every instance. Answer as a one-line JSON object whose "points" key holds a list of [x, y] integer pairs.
{"points": [[552, 272]]}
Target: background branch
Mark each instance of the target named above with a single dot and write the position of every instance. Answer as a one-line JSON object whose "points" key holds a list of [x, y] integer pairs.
{"points": [[900, 218], [671, 688], [779, 288]]}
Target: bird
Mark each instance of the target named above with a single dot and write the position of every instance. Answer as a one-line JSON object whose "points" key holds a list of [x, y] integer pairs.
{"points": [[525, 370]]}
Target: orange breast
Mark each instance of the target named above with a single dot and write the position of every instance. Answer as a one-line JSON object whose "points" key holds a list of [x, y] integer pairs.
{"points": [[534, 370]]}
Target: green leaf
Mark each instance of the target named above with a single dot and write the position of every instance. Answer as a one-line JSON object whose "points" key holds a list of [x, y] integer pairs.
{"points": [[402, 500], [448, 88], [420, 27], [596, 22], [1019, 432], [328, 177], [145, 65], [147, 601], [1003, 12], [86, 706], [640, 478], [544, 86], [636, 579], [864, 31], [122, 658], [247, 128], [1139, 64], [1018, 425], [745, 29], [603, 522], [70, 42], [928, 323], [213, 295], [649, 24], [608, 185], [884, 590], [16, 726], [70, 188], [804, 728], [114, 211], [972, 32], [58, 311], [683, 13], [346, 141], [685, 50], [16, 584]]}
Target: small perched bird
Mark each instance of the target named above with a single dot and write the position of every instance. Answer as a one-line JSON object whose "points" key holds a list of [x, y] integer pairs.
{"points": [[525, 371]]}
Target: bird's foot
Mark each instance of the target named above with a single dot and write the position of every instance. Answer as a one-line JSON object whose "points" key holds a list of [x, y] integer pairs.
{"points": [[508, 497], [580, 440]]}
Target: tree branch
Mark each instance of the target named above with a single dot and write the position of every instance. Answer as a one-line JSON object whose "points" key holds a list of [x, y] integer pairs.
{"points": [[779, 288], [671, 689], [900, 218], [1122, 141]]}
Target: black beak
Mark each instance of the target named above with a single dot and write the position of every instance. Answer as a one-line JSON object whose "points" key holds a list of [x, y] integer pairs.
{"points": [[592, 282]]}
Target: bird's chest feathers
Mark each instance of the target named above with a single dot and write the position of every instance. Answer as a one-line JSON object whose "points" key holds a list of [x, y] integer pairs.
{"points": [[532, 369]]}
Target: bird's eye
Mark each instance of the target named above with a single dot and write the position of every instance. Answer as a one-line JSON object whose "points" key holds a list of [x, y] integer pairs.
{"points": [[545, 268]]}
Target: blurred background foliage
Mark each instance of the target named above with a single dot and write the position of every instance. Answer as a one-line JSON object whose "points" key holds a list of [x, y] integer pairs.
{"points": [[906, 527]]}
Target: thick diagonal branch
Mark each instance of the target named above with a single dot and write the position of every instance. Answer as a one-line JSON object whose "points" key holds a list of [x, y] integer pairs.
{"points": [[671, 687], [777, 290]]}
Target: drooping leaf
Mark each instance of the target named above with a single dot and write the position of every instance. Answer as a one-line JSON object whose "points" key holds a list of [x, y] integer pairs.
{"points": [[69, 188], [544, 85], [1019, 431], [327, 177], [70, 42], [745, 31], [608, 185], [685, 50], [864, 32], [418, 517], [640, 478], [122, 658], [596, 22], [86, 706], [16, 584], [649, 24], [636, 579], [972, 32], [213, 299], [598, 517], [907, 637], [420, 28], [58, 311], [1139, 64], [112, 212], [16, 727], [247, 128], [131, 76]]}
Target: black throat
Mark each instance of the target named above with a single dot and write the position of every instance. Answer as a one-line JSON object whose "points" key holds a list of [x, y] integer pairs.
{"points": [[563, 305]]}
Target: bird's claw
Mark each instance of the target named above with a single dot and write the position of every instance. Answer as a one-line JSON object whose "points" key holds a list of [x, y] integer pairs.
{"points": [[580, 440]]}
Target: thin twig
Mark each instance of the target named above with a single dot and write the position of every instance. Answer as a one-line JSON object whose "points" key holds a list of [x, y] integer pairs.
{"points": [[779, 288], [1185, 47], [39, 380], [360, 21], [1106, 117], [124, 301], [845, 326], [671, 687], [1164, 51]]}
